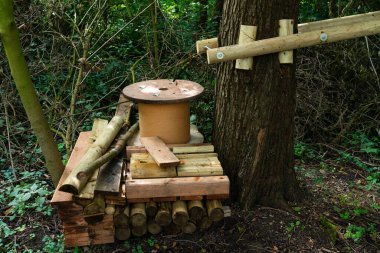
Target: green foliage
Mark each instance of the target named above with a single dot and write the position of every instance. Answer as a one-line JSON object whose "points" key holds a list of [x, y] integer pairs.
{"points": [[293, 227], [355, 232], [303, 150]]}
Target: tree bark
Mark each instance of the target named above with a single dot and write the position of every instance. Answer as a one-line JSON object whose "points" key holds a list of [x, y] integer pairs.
{"points": [[254, 116], [11, 40]]}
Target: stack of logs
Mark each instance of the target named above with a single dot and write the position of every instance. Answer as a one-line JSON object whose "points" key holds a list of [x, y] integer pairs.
{"points": [[170, 217], [133, 195]]}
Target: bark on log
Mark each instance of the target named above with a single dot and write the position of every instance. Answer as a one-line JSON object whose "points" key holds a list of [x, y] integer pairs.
{"points": [[180, 214], [121, 217], [122, 234], [138, 215], [139, 231], [204, 223], [153, 227], [151, 208], [189, 228], [163, 216], [94, 158], [172, 229], [215, 210], [196, 210]]}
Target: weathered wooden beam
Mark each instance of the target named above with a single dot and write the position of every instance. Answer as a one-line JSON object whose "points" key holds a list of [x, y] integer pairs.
{"points": [[181, 186], [291, 42], [159, 151]]}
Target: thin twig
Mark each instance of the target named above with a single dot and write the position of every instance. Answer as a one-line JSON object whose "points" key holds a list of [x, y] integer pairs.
{"points": [[8, 136], [370, 59]]}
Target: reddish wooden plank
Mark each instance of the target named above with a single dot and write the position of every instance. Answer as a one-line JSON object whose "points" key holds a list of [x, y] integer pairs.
{"points": [[159, 151], [191, 198], [217, 196], [81, 146], [177, 187]]}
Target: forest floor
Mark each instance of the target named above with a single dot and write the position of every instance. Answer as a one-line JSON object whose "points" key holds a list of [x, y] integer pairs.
{"points": [[339, 214]]}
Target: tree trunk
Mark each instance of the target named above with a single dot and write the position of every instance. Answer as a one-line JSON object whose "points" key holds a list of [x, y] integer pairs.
{"points": [[11, 40], [254, 116]]}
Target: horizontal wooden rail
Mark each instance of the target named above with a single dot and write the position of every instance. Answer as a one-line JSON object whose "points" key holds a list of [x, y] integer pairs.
{"points": [[291, 42], [308, 27]]}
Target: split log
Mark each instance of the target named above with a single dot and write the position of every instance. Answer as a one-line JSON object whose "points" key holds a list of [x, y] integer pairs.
{"points": [[196, 210], [138, 215], [189, 228], [122, 234], [110, 209], [121, 217], [180, 215], [204, 223], [215, 210], [153, 227], [139, 231], [151, 208], [163, 216]]}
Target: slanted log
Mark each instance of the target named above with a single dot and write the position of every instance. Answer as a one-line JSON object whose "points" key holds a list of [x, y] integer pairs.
{"points": [[138, 215], [151, 208], [180, 214], [153, 227], [196, 210], [122, 234], [121, 217], [163, 216], [189, 227], [96, 155], [139, 231], [215, 210]]}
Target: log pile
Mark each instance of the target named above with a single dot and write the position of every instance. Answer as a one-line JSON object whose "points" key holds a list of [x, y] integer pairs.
{"points": [[132, 195]]}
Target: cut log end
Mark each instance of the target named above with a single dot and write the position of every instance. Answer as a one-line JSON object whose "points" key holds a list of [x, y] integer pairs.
{"points": [[122, 234]]}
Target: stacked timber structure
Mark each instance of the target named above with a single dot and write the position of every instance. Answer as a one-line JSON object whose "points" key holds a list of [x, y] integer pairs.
{"points": [[149, 187], [133, 195]]}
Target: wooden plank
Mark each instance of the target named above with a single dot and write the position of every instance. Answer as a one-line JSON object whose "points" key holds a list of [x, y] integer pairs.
{"points": [[139, 149], [285, 27], [177, 187], [208, 166], [81, 146], [217, 196], [145, 155], [159, 151], [148, 168], [109, 178], [191, 198], [193, 149]]}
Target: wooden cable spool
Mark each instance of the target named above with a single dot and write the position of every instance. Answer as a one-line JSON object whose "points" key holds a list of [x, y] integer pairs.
{"points": [[164, 108]]}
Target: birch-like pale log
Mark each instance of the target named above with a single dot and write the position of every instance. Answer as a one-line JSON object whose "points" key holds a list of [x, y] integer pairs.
{"points": [[79, 176]]}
